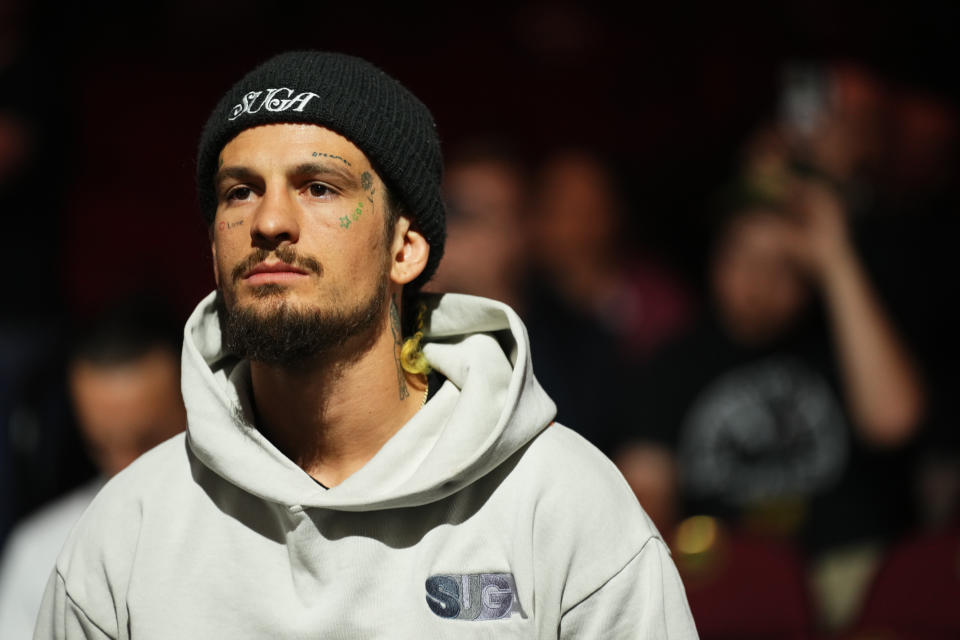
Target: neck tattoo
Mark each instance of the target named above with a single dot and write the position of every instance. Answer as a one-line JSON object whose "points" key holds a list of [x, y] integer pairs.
{"points": [[397, 331]]}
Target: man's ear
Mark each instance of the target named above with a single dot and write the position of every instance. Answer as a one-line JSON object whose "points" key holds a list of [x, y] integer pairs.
{"points": [[409, 254]]}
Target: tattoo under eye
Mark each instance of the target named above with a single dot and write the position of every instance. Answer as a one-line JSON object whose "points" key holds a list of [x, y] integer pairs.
{"points": [[229, 225]]}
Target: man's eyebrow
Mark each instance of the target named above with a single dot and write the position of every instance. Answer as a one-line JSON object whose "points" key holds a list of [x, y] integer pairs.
{"points": [[329, 169], [240, 174]]}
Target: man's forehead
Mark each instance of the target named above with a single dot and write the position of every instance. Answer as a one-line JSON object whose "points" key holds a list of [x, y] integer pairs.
{"points": [[299, 142]]}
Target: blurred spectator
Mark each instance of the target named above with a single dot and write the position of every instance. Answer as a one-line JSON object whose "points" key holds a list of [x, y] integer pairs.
{"points": [[891, 150], [487, 200], [493, 230], [581, 243], [771, 427], [124, 380]]}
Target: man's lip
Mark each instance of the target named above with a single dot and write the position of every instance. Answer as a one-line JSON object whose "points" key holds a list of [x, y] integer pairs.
{"points": [[274, 267]]}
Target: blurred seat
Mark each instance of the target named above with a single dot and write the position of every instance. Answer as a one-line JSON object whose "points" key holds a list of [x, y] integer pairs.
{"points": [[916, 593], [740, 586]]}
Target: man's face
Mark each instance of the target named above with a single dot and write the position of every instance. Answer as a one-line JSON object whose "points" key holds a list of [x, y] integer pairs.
{"points": [[299, 243], [758, 285], [485, 238], [577, 211], [125, 409]]}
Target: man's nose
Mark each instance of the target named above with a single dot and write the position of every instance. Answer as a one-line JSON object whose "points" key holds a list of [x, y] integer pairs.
{"points": [[276, 220]]}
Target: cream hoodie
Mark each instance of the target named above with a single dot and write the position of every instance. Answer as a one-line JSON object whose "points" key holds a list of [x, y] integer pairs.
{"points": [[480, 518]]}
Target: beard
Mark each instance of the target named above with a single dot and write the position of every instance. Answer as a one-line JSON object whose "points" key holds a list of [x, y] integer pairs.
{"points": [[287, 335]]}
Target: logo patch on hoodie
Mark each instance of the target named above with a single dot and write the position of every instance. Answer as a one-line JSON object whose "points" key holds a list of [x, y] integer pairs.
{"points": [[473, 596]]}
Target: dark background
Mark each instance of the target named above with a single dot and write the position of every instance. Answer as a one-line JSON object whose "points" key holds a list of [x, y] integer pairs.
{"points": [[117, 92]]}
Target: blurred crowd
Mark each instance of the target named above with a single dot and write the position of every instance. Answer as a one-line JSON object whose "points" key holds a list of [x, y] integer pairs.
{"points": [[783, 415], [778, 395]]}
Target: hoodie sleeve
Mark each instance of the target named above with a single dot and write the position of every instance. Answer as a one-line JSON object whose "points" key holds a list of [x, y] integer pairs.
{"points": [[645, 599], [62, 619]]}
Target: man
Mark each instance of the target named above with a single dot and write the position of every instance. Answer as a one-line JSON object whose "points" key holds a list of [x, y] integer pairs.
{"points": [[318, 493], [124, 381]]}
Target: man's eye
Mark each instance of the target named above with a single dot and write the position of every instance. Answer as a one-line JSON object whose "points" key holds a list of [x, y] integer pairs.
{"points": [[319, 190], [239, 193]]}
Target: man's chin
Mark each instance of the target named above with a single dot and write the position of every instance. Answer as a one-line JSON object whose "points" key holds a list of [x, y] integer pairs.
{"points": [[281, 330], [267, 299], [273, 303], [270, 290]]}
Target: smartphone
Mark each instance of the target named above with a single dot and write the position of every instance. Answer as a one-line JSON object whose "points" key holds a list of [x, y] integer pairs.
{"points": [[804, 97]]}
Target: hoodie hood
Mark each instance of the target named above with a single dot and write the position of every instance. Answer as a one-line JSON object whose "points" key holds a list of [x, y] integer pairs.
{"points": [[489, 407]]}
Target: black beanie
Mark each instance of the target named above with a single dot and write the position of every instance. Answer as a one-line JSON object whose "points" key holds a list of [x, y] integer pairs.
{"points": [[357, 100]]}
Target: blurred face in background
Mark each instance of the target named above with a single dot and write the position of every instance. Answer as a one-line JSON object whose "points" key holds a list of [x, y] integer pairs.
{"points": [[577, 211], [486, 238], [125, 409], [758, 286]]}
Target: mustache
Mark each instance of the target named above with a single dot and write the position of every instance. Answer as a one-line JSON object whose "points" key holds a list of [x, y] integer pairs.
{"points": [[285, 254]]}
